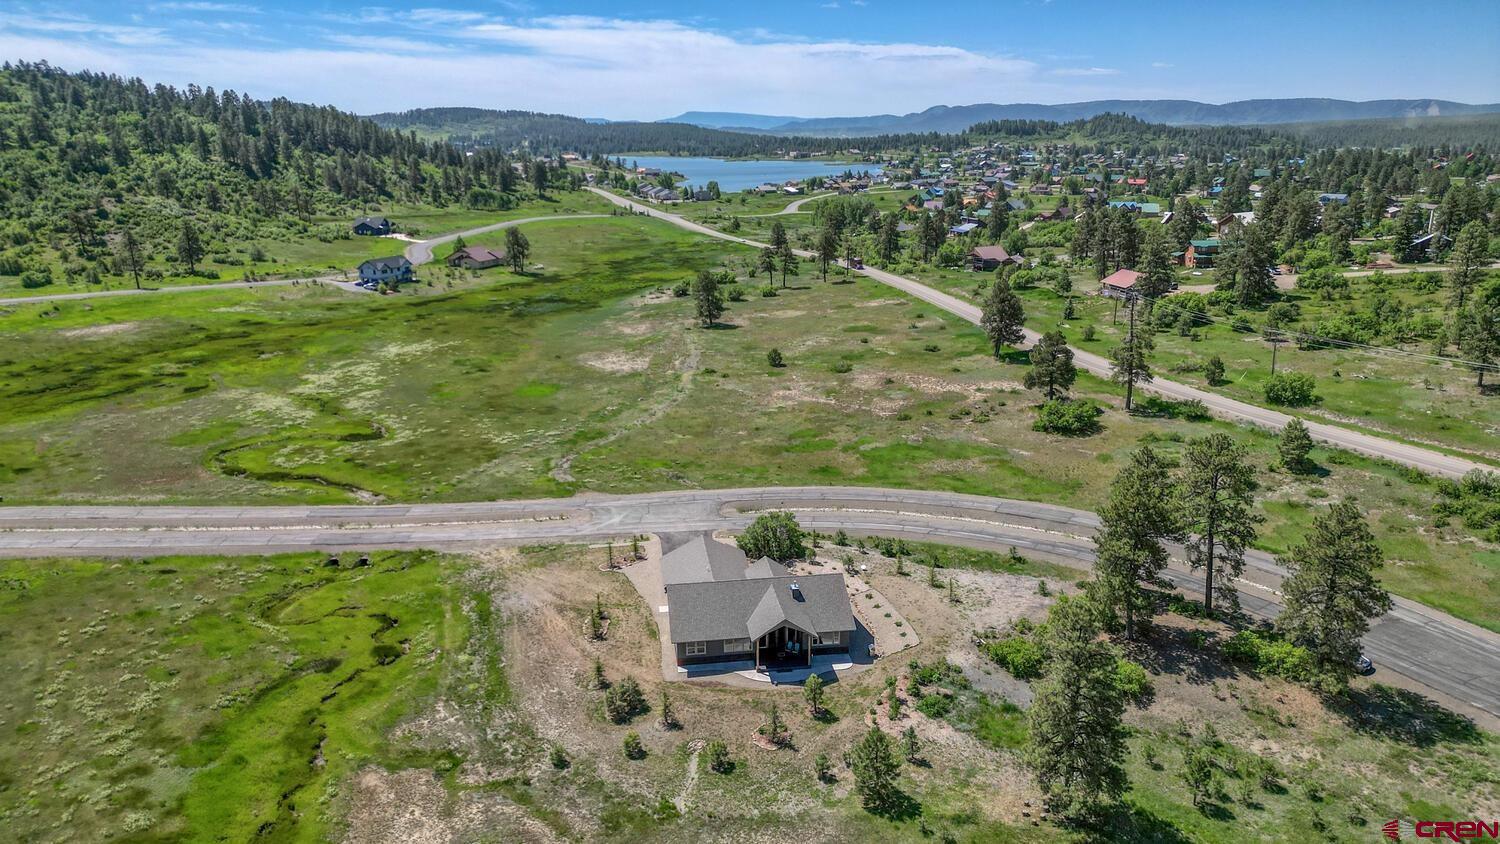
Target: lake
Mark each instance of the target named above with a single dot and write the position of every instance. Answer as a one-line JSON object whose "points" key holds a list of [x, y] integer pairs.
{"points": [[743, 174]]}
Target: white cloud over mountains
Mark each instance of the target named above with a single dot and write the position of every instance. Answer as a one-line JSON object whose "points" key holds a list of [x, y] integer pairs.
{"points": [[380, 59]]}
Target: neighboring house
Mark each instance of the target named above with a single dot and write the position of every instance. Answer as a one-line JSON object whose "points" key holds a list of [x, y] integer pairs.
{"points": [[962, 228], [991, 257], [1340, 198], [1149, 209], [372, 226], [1200, 254], [722, 607], [1041, 190], [476, 258], [1424, 247], [1119, 283], [1136, 182], [1244, 218], [1060, 213], [393, 269]]}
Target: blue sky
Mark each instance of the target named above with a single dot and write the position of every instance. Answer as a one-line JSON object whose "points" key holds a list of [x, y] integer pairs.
{"points": [[814, 58]]}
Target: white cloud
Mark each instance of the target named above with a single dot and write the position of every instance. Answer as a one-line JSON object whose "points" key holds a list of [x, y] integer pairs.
{"points": [[1162, 64], [226, 8], [1085, 71], [574, 64]]}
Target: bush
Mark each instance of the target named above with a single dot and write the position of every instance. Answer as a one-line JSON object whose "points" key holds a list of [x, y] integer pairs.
{"points": [[632, 746], [623, 701], [1018, 655], [717, 754], [1269, 655], [32, 279], [1088, 333], [1291, 389], [1132, 680], [775, 359], [935, 706], [1067, 417], [842, 366], [681, 289]]}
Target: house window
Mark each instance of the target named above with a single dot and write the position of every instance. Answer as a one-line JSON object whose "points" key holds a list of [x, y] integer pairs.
{"points": [[736, 646], [834, 638], [695, 648]]}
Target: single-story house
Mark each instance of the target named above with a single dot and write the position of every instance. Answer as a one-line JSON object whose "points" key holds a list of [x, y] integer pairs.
{"points": [[991, 257], [723, 607], [476, 258], [1340, 198], [1061, 212], [1200, 254], [962, 228], [1426, 246], [1149, 209], [903, 228], [1119, 283], [1136, 182], [395, 269], [372, 226]]}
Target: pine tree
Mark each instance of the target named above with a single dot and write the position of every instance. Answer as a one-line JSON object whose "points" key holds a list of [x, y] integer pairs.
{"points": [[131, 259], [1331, 593], [1470, 252], [1139, 516], [1294, 446], [1076, 742], [876, 768], [1213, 372], [189, 246], [1408, 228], [1157, 275], [517, 248], [1253, 284], [1131, 365], [994, 227], [1052, 369], [889, 242], [668, 714], [1217, 494], [812, 692], [1479, 332], [786, 261], [828, 249], [911, 746], [708, 300], [1002, 316]]}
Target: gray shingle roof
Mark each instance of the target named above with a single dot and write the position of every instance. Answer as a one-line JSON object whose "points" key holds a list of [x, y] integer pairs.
{"points": [[702, 559], [747, 608], [394, 262]]}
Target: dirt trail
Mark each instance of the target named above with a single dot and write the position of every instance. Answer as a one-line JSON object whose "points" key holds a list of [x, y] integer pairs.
{"points": [[680, 801], [563, 470]]}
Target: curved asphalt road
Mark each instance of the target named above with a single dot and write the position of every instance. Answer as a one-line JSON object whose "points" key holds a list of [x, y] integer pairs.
{"points": [[1458, 661], [1425, 459]]}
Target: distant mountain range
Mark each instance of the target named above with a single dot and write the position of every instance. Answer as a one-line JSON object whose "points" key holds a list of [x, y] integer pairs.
{"points": [[1174, 112]]}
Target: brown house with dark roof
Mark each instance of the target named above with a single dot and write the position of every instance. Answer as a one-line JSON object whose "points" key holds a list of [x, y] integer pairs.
{"points": [[476, 258]]}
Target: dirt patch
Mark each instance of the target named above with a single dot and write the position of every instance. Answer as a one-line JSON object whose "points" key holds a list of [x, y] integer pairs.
{"points": [[617, 362], [412, 807], [100, 330]]}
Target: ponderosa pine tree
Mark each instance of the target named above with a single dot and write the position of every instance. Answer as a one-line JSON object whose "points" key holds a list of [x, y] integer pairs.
{"points": [[1294, 446], [1470, 253], [889, 241], [876, 767], [1130, 358], [1052, 370], [517, 249], [1076, 741], [1157, 274], [708, 300], [1217, 494], [1139, 516], [1479, 332], [1002, 316], [1332, 594], [828, 249]]}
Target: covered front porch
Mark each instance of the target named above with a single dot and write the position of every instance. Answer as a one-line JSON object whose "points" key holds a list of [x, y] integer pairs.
{"points": [[783, 648]]}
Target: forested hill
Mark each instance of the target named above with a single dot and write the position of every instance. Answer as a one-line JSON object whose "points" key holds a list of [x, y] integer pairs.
{"points": [[548, 133], [85, 156]]}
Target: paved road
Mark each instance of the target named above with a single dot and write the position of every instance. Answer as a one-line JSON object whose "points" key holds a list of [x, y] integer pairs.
{"points": [[1456, 660], [1425, 459], [795, 206]]}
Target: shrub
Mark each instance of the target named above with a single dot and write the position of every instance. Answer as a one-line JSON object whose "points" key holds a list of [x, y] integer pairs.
{"points": [[623, 701], [1067, 417], [934, 706], [776, 535], [1088, 333], [681, 289], [559, 758], [1132, 680], [632, 746], [32, 279], [1018, 655], [1291, 389], [1269, 655], [775, 359], [842, 366], [717, 754]]}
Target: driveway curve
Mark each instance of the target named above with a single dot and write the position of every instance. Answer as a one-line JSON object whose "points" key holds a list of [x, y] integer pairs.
{"points": [[1425, 459], [1452, 658]]}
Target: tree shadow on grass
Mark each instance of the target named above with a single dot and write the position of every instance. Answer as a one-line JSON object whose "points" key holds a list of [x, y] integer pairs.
{"points": [[898, 806], [1404, 716], [1170, 650], [720, 326], [1128, 823]]}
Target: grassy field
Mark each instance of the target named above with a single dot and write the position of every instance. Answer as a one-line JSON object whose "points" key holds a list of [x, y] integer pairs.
{"points": [[589, 375], [431, 697], [1418, 401], [324, 246], [204, 698]]}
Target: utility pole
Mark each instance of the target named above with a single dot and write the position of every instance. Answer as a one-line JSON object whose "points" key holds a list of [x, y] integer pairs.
{"points": [[1274, 346], [1131, 339]]}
